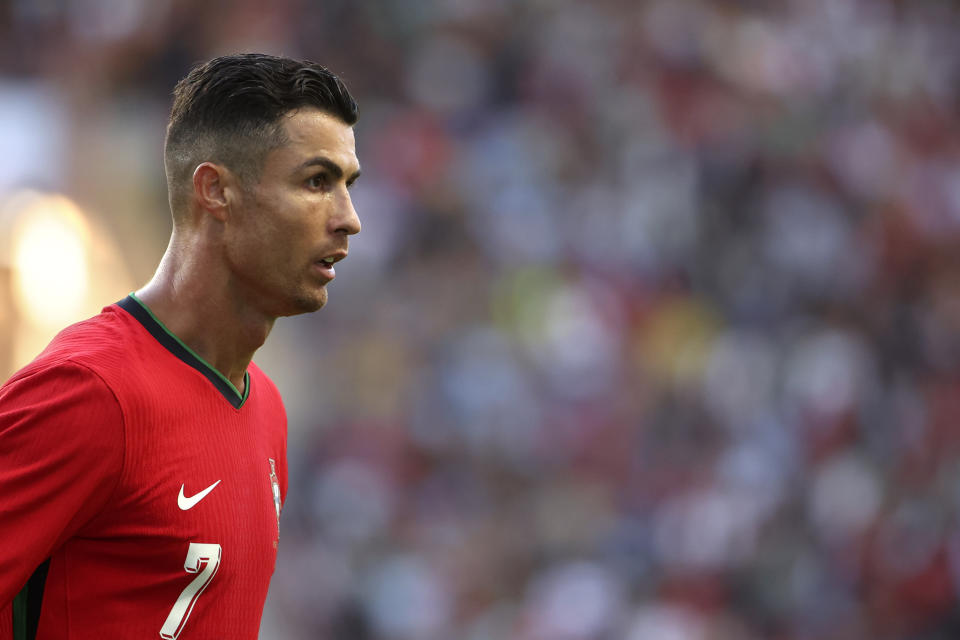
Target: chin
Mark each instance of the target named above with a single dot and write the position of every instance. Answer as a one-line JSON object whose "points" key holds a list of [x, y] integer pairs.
{"points": [[308, 303]]}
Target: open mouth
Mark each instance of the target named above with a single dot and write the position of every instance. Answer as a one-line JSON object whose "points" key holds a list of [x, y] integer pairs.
{"points": [[325, 264]]}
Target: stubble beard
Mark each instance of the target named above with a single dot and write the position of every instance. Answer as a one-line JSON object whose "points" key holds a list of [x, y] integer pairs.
{"points": [[306, 303]]}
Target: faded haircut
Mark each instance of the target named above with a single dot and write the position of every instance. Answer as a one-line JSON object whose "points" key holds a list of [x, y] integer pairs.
{"points": [[229, 111]]}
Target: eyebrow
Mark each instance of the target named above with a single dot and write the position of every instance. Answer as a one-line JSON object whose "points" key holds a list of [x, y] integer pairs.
{"points": [[330, 166]]}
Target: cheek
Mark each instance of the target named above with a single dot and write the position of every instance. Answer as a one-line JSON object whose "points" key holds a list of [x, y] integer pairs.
{"points": [[284, 228], [252, 240]]}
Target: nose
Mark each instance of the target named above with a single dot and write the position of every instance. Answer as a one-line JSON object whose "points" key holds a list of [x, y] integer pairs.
{"points": [[347, 221]]}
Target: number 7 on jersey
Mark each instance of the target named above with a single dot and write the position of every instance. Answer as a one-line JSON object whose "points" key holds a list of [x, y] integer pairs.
{"points": [[199, 553]]}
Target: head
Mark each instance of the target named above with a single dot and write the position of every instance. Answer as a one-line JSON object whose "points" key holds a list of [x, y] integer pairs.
{"points": [[229, 111], [259, 155]]}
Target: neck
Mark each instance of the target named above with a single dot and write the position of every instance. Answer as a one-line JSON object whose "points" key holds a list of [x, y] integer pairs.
{"points": [[195, 301]]}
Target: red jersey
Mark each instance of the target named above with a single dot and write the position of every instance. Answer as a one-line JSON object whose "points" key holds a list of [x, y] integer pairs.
{"points": [[140, 493]]}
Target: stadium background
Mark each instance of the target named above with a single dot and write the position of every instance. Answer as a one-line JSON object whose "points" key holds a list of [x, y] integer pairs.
{"points": [[652, 332]]}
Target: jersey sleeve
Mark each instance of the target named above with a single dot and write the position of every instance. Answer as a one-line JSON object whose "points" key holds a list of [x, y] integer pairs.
{"points": [[61, 455]]}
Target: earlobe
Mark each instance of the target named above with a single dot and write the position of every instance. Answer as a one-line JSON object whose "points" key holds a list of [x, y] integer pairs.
{"points": [[209, 189]]}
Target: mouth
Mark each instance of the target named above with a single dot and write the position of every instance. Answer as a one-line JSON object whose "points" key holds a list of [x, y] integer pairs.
{"points": [[324, 266]]}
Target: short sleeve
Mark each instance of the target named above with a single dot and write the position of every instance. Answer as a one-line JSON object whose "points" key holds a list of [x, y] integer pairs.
{"points": [[61, 455]]}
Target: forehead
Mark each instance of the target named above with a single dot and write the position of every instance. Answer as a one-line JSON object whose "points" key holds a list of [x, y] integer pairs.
{"points": [[311, 133]]}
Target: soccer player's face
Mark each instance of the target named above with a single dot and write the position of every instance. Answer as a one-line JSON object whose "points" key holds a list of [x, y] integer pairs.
{"points": [[297, 219]]}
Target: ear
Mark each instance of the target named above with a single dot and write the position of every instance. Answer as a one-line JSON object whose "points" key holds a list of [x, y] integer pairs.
{"points": [[209, 189]]}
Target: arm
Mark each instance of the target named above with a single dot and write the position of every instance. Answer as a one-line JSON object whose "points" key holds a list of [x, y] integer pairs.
{"points": [[61, 454]]}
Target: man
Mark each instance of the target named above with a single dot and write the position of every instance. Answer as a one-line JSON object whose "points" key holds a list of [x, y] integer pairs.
{"points": [[143, 454]]}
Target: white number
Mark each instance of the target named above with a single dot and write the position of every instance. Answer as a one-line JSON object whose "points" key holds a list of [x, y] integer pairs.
{"points": [[198, 554]]}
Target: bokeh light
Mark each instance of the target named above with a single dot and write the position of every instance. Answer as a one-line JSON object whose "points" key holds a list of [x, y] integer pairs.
{"points": [[51, 244]]}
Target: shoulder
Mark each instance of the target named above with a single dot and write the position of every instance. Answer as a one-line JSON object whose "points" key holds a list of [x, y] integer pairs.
{"points": [[96, 343], [262, 384], [59, 382], [64, 406], [97, 355], [59, 411], [265, 398]]}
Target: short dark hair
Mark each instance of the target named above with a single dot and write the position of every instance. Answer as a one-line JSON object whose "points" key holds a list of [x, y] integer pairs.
{"points": [[228, 111]]}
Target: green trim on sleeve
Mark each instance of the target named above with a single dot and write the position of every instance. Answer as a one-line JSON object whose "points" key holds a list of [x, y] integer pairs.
{"points": [[20, 614]]}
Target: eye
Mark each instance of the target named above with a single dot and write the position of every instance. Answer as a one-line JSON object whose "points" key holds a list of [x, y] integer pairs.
{"points": [[320, 181]]}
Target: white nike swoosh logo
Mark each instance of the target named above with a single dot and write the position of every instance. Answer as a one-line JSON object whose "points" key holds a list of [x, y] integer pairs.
{"points": [[188, 503]]}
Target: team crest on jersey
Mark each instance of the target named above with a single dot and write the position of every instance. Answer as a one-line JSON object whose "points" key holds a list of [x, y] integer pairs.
{"points": [[275, 484]]}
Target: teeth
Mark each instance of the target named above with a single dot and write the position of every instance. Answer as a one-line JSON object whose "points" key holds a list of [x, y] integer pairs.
{"points": [[328, 260]]}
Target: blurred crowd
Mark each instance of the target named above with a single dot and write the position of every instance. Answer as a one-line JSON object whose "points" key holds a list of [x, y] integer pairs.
{"points": [[653, 328]]}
